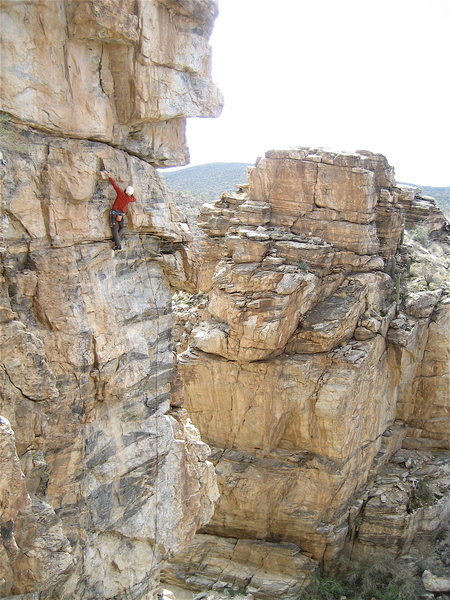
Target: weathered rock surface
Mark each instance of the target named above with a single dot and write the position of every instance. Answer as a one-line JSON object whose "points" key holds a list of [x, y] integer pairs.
{"points": [[408, 502], [435, 584], [419, 211], [310, 370], [253, 565], [86, 379], [288, 244], [427, 412], [13, 491], [323, 392], [101, 481], [127, 73], [13, 498]]}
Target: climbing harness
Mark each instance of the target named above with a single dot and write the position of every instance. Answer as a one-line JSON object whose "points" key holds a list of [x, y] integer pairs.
{"points": [[113, 216]]}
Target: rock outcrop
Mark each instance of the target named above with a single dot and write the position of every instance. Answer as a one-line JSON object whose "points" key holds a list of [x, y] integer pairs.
{"points": [[101, 481], [319, 358], [125, 73], [420, 211]]}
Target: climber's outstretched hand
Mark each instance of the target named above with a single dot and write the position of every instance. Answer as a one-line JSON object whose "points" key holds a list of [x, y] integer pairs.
{"points": [[104, 175]]}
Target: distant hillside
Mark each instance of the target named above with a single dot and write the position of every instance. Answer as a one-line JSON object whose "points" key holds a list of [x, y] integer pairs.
{"points": [[204, 183], [207, 181]]}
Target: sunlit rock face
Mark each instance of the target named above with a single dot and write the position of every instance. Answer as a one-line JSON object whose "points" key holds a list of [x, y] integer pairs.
{"points": [[307, 222], [427, 411], [314, 364], [420, 211], [101, 480], [126, 73]]}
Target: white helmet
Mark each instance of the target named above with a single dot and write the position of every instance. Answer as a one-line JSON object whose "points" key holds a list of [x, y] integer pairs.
{"points": [[129, 190]]}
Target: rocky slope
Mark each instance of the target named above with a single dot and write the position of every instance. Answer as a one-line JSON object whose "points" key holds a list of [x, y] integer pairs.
{"points": [[318, 372], [101, 480]]}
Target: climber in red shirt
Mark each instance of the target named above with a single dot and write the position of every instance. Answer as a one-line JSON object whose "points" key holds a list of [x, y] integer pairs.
{"points": [[117, 213]]}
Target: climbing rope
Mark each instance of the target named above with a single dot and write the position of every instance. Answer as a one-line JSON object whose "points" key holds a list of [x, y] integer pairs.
{"points": [[143, 258], [3, 213], [157, 431]]}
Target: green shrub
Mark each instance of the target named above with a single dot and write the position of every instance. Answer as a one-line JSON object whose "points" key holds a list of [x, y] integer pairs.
{"points": [[325, 587], [422, 496], [233, 592], [420, 234], [379, 577], [392, 592], [303, 266]]}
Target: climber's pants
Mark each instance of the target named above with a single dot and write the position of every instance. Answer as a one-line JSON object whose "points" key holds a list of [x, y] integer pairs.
{"points": [[117, 227]]}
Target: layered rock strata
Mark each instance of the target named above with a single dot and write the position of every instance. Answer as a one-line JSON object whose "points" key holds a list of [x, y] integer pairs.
{"points": [[419, 210], [306, 376], [101, 480], [125, 73]]}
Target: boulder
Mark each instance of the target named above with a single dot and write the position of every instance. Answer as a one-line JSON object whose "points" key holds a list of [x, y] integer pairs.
{"points": [[435, 584], [422, 304]]}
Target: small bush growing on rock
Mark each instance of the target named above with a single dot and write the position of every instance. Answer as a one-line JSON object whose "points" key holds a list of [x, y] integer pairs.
{"points": [[420, 234], [325, 587], [233, 592], [428, 276], [379, 577], [422, 496], [303, 266]]}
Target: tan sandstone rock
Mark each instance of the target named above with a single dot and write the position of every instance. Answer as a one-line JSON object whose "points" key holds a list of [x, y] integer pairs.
{"points": [[87, 369], [260, 567], [13, 498], [419, 211], [408, 502], [305, 374], [125, 73], [428, 409], [117, 482], [14, 495]]}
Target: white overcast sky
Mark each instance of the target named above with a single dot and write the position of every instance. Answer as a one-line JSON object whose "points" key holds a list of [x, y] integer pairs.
{"points": [[340, 74]]}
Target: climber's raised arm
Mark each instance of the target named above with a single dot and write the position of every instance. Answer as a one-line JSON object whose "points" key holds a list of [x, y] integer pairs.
{"points": [[114, 184], [106, 175]]}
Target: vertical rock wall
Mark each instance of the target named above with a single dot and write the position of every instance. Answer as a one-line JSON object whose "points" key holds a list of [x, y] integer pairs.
{"points": [[126, 73], [115, 482], [310, 371]]}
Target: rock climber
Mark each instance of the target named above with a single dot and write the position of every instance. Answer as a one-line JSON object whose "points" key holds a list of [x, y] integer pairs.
{"points": [[117, 213]]}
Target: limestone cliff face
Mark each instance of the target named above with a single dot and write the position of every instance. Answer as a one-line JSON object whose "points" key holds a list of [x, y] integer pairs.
{"points": [[319, 358], [101, 482], [126, 73]]}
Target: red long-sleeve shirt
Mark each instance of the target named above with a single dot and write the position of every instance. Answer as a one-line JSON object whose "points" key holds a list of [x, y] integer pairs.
{"points": [[122, 200]]}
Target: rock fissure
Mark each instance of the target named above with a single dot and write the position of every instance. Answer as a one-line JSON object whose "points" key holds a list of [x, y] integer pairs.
{"points": [[315, 187], [56, 135], [22, 393], [313, 399]]}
